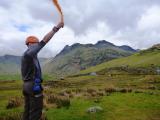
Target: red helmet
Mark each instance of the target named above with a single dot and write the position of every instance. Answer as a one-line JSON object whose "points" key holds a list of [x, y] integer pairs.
{"points": [[32, 39]]}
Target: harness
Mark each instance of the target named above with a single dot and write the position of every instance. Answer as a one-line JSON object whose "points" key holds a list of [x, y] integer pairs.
{"points": [[37, 88]]}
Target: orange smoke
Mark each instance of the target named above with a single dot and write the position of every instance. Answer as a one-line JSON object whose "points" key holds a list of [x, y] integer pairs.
{"points": [[59, 9]]}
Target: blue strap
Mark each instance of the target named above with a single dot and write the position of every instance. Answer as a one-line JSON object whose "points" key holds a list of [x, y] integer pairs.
{"points": [[37, 80]]}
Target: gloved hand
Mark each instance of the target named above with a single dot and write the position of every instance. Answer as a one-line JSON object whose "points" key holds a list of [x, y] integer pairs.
{"points": [[60, 25]]}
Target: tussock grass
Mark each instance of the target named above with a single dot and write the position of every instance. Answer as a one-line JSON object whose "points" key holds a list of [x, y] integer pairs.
{"points": [[14, 102]]}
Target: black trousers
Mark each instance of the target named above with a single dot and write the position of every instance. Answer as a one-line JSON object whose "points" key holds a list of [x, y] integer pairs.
{"points": [[33, 104]]}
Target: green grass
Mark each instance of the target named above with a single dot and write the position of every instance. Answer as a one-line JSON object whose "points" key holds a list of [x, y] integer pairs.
{"points": [[49, 77], [119, 106], [117, 81], [77, 111], [145, 59], [9, 67], [9, 77]]}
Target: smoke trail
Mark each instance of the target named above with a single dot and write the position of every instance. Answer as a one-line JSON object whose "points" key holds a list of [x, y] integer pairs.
{"points": [[59, 9]]}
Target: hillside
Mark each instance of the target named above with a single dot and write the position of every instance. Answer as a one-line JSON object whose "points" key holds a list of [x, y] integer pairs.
{"points": [[10, 64], [76, 96], [78, 57], [149, 58]]}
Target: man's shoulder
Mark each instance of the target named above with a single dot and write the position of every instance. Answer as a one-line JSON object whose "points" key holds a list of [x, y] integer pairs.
{"points": [[26, 54]]}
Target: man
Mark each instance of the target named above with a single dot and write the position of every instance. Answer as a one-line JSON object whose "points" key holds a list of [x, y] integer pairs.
{"points": [[31, 75]]}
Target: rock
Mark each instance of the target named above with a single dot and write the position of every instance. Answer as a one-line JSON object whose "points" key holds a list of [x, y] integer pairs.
{"points": [[94, 109], [61, 78], [93, 74], [158, 71]]}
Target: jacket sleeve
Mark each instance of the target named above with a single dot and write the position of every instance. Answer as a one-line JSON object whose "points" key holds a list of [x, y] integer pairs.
{"points": [[35, 50]]}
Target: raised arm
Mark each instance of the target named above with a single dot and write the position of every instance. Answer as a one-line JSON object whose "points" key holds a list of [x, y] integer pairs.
{"points": [[48, 36], [36, 48]]}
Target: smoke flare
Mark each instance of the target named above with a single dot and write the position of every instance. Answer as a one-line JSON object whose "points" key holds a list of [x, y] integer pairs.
{"points": [[59, 9]]}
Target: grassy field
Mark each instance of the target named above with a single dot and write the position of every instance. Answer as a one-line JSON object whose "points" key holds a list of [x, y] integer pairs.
{"points": [[125, 89], [118, 106], [18, 77], [142, 59], [109, 92]]}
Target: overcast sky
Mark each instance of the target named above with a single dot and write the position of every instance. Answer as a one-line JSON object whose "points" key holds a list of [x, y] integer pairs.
{"points": [[123, 22]]}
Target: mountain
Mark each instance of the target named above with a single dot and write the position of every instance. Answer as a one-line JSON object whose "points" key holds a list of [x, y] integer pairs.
{"points": [[10, 64], [143, 61], [127, 48], [78, 57]]}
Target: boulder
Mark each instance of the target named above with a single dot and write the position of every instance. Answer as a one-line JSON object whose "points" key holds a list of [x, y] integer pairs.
{"points": [[94, 109]]}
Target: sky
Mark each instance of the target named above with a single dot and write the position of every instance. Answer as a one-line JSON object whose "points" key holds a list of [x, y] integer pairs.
{"points": [[123, 22]]}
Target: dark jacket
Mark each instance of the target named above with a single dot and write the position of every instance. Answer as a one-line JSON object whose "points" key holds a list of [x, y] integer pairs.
{"points": [[30, 64]]}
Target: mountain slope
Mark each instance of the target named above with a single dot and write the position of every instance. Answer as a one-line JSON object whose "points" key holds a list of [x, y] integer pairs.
{"points": [[144, 59], [10, 64], [77, 57]]}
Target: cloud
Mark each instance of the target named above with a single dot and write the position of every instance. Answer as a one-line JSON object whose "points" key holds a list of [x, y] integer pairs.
{"points": [[150, 19], [130, 22]]}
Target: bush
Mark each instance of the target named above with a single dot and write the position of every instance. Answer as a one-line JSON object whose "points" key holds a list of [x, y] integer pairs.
{"points": [[94, 94], [63, 102], [139, 91], [90, 90], [12, 116], [123, 90], [71, 95], [100, 93], [129, 90], [152, 87], [68, 91], [78, 90], [63, 93], [60, 101], [110, 90], [14, 102]]}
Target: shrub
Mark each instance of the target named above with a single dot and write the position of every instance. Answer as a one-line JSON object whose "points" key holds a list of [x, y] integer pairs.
{"points": [[63, 93], [68, 91], [100, 93], [12, 116], [94, 94], [50, 99], [129, 90], [110, 90], [139, 91], [123, 90], [79, 90], [91, 90], [14, 102], [152, 87], [60, 101], [85, 94], [63, 102], [71, 95]]}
